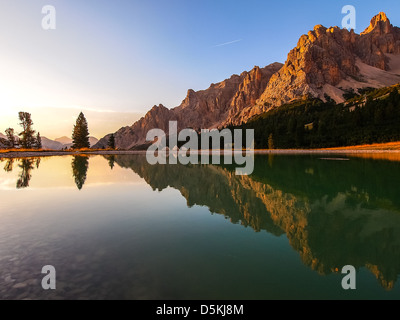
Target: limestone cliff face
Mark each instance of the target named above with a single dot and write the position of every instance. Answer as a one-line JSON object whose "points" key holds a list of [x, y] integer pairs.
{"points": [[205, 109], [327, 59], [378, 39]]}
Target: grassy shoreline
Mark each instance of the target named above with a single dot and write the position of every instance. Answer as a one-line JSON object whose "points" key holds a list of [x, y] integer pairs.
{"points": [[391, 148]]}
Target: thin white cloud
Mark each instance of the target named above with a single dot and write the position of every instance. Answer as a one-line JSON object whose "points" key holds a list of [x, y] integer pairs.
{"points": [[84, 109], [228, 43]]}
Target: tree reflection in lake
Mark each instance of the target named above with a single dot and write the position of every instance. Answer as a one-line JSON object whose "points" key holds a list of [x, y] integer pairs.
{"points": [[26, 165], [9, 165], [334, 213], [111, 161], [80, 165]]}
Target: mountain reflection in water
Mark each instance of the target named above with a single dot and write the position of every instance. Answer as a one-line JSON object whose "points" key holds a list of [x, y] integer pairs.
{"points": [[333, 213]]}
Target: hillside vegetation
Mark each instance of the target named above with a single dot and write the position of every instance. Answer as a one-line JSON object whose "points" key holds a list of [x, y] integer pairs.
{"points": [[367, 117]]}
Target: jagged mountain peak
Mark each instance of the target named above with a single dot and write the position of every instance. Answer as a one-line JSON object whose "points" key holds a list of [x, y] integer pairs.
{"points": [[204, 109], [325, 62], [328, 59], [379, 24]]}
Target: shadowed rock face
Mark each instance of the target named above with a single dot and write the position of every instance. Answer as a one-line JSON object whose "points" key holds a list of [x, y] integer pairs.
{"points": [[325, 61], [333, 213]]}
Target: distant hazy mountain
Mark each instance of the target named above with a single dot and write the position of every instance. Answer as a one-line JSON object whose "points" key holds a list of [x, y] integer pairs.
{"points": [[64, 140], [46, 143], [51, 144], [93, 141], [67, 142], [57, 144]]}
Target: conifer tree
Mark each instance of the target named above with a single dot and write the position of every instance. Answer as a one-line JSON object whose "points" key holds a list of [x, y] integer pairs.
{"points": [[38, 141], [80, 134], [111, 142]]}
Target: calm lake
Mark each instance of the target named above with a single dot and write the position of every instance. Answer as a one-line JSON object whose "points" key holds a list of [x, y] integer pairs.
{"points": [[115, 227]]}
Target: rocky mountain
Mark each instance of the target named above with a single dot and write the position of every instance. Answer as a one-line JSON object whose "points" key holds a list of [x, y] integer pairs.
{"points": [[3, 141], [325, 62], [331, 60], [200, 110]]}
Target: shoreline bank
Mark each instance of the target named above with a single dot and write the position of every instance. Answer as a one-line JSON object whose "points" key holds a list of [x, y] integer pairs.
{"points": [[355, 151]]}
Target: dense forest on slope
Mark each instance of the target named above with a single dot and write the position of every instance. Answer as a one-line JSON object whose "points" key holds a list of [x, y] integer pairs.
{"points": [[367, 116]]}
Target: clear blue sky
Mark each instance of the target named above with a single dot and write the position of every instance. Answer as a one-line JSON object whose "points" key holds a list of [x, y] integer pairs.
{"points": [[122, 57]]}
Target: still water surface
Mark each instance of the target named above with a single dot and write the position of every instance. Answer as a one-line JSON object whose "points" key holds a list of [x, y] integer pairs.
{"points": [[115, 227]]}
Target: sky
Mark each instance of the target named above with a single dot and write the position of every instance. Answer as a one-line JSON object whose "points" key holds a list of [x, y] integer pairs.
{"points": [[115, 59]]}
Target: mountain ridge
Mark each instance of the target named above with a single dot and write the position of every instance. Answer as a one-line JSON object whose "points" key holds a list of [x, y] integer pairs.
{"points": [[199, 110], [325, 64]]}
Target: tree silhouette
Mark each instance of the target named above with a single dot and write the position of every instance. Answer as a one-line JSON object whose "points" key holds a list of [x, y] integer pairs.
{"points": [[111, 142], [28, 140], [80, 134], [38, 141], [80, 165], [11, 137]]}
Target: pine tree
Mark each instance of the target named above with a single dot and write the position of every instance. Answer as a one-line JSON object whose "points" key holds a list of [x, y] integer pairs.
{"points": [[271, 142], [111, 142], [38, 141], [28, 140], [80, 134]]}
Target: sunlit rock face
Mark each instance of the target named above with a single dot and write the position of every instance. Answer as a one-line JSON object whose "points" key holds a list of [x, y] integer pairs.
{"points": [[327, 59], [325, 62]]}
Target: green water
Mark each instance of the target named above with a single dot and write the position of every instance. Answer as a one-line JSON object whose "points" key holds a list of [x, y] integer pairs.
{"points": [[117, 228]]}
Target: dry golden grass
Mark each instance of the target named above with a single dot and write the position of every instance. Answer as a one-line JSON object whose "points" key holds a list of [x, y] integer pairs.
{"points": [[375, 146], [378, 156], [23, 150]]}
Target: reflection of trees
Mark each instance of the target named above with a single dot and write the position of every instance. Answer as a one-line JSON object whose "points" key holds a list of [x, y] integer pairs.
{"points": [[80, 165], [333, 213], [111, 161], [26, 165], [9, 165]]}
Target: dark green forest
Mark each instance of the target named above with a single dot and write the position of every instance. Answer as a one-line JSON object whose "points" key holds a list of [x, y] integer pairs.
{"points": [[368, 116]]}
